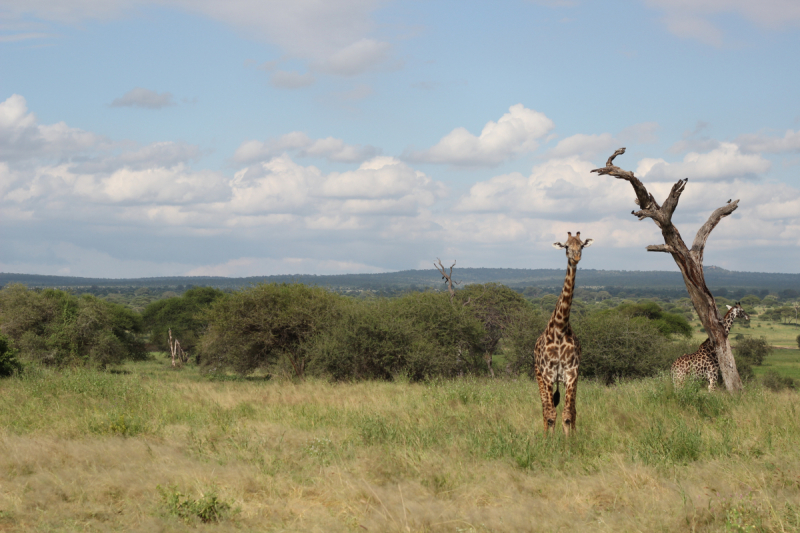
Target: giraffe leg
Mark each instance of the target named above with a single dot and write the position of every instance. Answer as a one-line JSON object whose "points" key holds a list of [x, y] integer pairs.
{"points": [[712, 381], [548, 410], [570, 412]]}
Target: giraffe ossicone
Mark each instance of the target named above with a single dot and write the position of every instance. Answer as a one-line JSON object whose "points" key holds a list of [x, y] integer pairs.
{"points": [[557, 354], [703, 363]]}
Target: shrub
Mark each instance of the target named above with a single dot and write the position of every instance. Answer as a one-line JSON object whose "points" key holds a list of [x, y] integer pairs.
{"points": [[258, 327], [55, 327], [520, 340], [9, 364], [181, 314], [753, 350], [798, 341], [208, 508], [616, 346], [666, 323], [750, 352], [776, 382], [496, 307], [419, 335]]}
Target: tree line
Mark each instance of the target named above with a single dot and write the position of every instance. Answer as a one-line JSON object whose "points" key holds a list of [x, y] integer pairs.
{"points": [[300, 330]]}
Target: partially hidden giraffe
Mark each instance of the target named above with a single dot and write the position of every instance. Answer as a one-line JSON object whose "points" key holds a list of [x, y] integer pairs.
{"points": [[703, 363], [557, 353]]}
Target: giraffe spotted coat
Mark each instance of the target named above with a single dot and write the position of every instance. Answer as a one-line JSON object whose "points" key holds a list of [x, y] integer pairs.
{"points": [[703, 364], [557, 353]]}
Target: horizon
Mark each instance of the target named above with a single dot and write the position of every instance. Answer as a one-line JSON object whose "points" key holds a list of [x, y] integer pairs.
{"points": [[143, 139]]}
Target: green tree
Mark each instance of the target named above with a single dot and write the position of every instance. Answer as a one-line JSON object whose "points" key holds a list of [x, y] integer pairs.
{"points": [[258, 327], [617, 345], [496, 307], [55, 327], [419, 335], [181, 314], [9, 364]]}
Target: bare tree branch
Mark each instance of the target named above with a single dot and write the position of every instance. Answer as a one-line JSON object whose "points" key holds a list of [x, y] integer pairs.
{"points": [[700, 239], [690, 263], [447, 277], [661, 248]]}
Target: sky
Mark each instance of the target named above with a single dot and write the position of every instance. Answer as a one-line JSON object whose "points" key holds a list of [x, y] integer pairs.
{"points": [[143, 138]]}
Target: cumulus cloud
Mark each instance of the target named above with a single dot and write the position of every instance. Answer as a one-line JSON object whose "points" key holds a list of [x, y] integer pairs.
{"points": [[558, 188], [329, 148], [21, 137], [140, 97], [517, 132], [755, 143], [725, 162]]}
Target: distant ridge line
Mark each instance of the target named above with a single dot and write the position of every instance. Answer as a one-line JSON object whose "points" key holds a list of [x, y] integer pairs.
{"points": [[715, 277]]}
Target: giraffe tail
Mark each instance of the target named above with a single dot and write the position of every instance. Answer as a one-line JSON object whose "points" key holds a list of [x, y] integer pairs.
{"points": [[556, 396]]}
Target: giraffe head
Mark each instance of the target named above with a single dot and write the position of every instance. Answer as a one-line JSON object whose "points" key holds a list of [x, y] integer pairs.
{"points": [[736, 311], [574, 246]]}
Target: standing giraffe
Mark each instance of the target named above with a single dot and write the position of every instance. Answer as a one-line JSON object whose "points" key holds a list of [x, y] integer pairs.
{"points": [[558, 353], [703, 363]]}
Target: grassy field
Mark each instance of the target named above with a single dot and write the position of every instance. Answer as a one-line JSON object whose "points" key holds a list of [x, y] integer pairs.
{"points": [[154, 449], [783, 335]]}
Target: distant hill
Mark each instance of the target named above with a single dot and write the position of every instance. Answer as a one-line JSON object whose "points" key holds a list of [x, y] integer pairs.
{"points": [[513, 277]]}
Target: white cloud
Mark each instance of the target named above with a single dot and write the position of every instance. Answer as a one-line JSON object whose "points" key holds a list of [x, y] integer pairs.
{"points": [[581, 144], [329, 148], [725, 162], [558, 188], [755, 143], [141, 97], [22, 138], [517, 132]]}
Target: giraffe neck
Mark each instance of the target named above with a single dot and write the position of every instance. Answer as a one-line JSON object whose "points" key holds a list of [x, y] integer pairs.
{"points": [[560, 319], [727, 322]]}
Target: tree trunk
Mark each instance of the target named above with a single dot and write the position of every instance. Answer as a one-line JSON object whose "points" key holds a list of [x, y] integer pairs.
{"points": [[689, 261]]}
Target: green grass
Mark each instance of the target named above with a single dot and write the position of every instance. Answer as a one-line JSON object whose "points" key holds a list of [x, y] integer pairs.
{"points": [[87, 450], [784, 362]]}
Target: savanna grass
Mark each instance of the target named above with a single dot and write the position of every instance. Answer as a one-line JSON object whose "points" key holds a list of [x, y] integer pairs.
{"points": [[87, 450]]}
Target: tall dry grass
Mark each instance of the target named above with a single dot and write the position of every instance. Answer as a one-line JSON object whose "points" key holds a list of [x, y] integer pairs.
{"points": [[86, 450]]}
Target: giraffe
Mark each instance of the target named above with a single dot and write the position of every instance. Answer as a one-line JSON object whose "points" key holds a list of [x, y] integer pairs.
{"points": [[557, 353], [703, 363]]}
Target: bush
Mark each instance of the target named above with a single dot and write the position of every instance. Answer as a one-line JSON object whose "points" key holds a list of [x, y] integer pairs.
{"points": [[666, 323], [9, 364], [419, 335], [750, 352], [520, 340], [54, 327], [798, 341], [753, 350], [496, 307], [259, 327], [181, 315], [775, 382], [616, 346]]}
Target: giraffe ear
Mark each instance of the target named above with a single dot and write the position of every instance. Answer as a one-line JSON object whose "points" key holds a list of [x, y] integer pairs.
{"points": [[559, 245], [587, 243], [729, 307]]}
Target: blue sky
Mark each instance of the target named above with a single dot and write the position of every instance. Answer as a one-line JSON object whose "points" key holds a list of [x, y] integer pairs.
{"points": [[147, 138]]}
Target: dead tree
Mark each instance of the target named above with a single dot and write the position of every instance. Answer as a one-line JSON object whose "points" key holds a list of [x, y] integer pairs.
{"points": [[176, 350], [689, 260], [447, 277]]}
